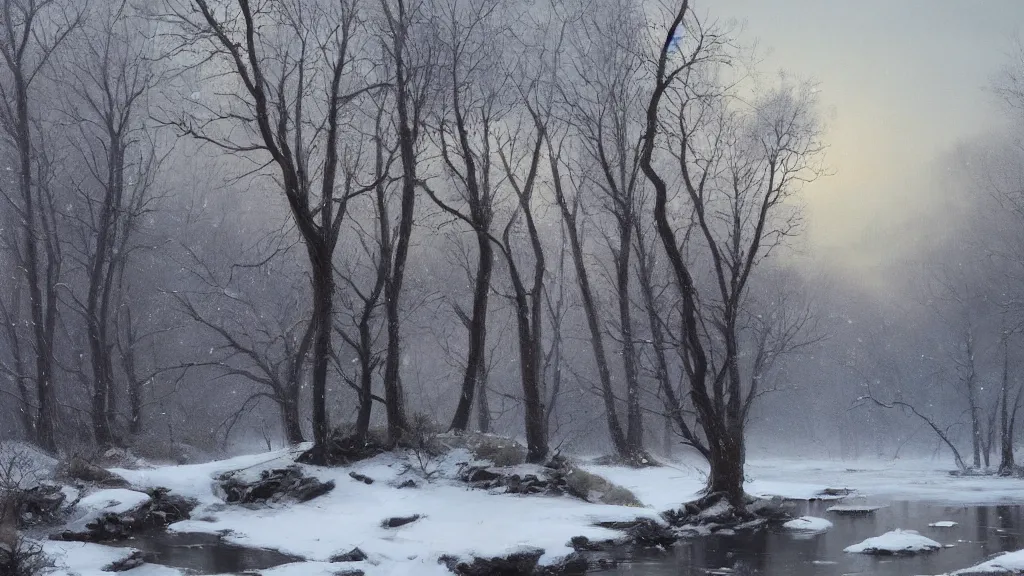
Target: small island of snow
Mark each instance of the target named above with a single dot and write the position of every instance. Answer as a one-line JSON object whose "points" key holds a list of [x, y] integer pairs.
{"points": [[808, 524], [896, 542]]}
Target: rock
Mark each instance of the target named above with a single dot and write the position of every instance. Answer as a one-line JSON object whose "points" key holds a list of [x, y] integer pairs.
{"points": [[518, 564], [79, 469], [584, 544], [41, 504], [353, 555], [398, 521], [523, 563], [360, 477], [273, 486], [481, 475], [650, 534], [126, 564], [644, 532], [410, 483]]}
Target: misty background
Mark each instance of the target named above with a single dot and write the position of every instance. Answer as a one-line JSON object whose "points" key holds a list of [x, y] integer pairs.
{"points": [[908, 260]]}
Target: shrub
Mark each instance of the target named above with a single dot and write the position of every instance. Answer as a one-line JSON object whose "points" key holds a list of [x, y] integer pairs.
{"points": [[22, 558]]}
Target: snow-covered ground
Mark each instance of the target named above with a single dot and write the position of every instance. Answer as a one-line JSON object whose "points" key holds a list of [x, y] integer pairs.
{"points": [[455, 520], [462, 522]]}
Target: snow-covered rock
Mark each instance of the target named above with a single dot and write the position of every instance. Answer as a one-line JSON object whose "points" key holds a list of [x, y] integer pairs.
{"points": [[1009, 563], [112, 501], [115, 500], [942, 524], [808, 524], [895, 542]]}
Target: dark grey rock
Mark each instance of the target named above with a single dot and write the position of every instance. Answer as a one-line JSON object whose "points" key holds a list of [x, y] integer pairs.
{"points": [[360, 477], [353, 555], [399, 521]]}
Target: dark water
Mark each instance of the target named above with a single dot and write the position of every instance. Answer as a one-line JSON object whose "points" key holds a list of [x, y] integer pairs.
{"points": [[204, 553], [981, 532]]}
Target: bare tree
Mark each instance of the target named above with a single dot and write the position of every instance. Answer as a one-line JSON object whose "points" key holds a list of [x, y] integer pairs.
{"points": [[519, 150], [602, 105], [410, 57], [111, 77], [267, 349], [33, 32], [471, 39], [297, 65], [377, 245], [737, 167]]}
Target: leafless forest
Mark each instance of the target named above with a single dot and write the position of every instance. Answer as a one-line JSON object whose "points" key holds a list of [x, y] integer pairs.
{"points": [[234, 224]]}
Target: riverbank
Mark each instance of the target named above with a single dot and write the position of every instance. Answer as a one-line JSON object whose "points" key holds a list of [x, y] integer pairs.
{"points": [[445, 521]]}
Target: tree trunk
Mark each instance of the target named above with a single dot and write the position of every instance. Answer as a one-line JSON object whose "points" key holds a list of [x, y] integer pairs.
{"points": [[618, 438], [290, 419], [556, 377], [1006, 463], [365, 382], [323, 300], [634, 414], [45, 402], [393, 394], [476, 356], [135, 423], [529, 367], [96, 321], [483, 409], [727, 460]]}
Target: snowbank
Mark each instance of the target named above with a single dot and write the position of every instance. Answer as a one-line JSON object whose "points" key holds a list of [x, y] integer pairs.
{"points": [[1009, 563], [808, 524], [661, 487], [895, 542], [85, 559]]}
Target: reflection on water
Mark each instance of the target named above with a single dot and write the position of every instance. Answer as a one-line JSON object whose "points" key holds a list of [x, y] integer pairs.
{"points": [[980, 533], [204, 553]]}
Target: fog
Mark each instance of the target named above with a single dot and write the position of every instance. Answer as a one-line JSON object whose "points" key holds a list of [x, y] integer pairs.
{"points": [[901, 85], [221, 254]]}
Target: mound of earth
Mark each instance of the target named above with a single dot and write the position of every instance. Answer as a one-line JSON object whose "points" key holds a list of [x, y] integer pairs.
{"points": [[276, 485]]}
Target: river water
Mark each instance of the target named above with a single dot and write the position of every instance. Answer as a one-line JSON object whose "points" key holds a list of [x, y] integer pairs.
{"points": [[981, 532]]}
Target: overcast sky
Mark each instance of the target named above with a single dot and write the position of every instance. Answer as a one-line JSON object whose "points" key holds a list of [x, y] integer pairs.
{"points": [[902, 81]]}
